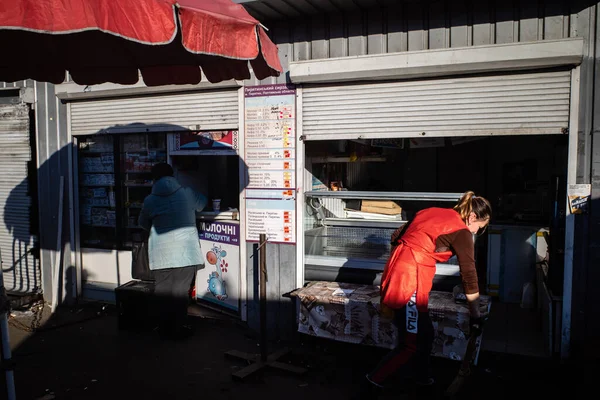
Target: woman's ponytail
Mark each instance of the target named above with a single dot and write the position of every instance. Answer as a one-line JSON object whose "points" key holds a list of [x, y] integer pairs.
{"points": [[465, 205], [469, 203]]}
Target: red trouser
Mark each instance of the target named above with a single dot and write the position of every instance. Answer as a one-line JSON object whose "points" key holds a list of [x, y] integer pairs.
{"points": [[412, 354]]}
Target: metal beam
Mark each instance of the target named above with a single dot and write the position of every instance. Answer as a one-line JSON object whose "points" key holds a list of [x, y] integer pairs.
{"points": [[417, 196], [444, 62], [565, 347], [72, 91]]}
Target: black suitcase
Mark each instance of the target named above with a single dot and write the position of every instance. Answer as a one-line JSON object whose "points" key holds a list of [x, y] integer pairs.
{"points": [[135, 305]]}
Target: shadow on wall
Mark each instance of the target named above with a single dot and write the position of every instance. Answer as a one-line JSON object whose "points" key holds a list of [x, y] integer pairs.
{"points": [[118, 270], [585, 313], [34, 240], [20, 248], [20, 257]]}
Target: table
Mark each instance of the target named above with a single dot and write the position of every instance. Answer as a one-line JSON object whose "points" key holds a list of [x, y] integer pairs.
{"points": [[352, 313]]}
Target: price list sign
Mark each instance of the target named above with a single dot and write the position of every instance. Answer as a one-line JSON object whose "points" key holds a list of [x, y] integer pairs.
{"points": [[270, 153]]}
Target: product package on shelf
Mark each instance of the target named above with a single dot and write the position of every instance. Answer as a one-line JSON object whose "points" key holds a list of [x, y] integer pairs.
{"points": [[98, 179], [111, 217], [141, 162], [103, 217], [134, 204], [94, 197], [107, 159], [351, 313], [138, 182], [97, 164], [86, 214], [97, 144], [134, 143], [136, 162]]}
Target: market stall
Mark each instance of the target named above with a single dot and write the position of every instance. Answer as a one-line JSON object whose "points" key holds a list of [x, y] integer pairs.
{"points": [[209, 163], [410, 144], [118, 140], [360, 191]]}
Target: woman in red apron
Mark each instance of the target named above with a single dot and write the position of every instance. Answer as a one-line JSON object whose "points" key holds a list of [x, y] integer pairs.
{"points": [[433, 235]]}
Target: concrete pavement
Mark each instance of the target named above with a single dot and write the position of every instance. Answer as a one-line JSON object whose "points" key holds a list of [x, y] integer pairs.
{"points": [[80, 353]]}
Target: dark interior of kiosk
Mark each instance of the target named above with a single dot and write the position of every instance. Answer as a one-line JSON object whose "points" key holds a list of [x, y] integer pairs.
{"points": [[517, 174], [523, 177], [216, 176], [115, 178]]}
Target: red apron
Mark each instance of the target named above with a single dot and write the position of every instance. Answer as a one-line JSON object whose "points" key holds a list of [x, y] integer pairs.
{"points": [[411, 266]]}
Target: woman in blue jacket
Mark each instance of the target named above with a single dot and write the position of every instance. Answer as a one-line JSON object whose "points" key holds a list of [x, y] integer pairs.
{"points": [[169, 214]]}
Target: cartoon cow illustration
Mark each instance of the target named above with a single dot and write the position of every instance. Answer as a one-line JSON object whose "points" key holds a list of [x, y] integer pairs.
{"points": [[216, 285]]}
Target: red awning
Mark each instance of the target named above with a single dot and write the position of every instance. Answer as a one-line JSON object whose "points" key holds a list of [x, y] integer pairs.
{"points": [[110, 41]]}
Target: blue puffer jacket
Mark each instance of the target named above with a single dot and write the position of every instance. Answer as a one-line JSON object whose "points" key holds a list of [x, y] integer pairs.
{"points": [[169, 213]]}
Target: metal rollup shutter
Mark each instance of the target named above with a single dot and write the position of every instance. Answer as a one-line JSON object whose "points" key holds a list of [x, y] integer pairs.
{"points": [[205, 110], [20, 268], [517, 103]]}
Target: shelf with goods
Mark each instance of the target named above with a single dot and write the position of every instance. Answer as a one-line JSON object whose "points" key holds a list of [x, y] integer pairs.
{"points": [[97, 205], [138, 154]]}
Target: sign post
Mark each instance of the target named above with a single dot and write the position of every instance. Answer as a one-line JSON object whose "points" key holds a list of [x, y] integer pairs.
{"points": [[262, 360]]}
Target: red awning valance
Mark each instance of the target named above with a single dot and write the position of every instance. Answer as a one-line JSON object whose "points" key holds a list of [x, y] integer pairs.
{"points": [[99, 41]]}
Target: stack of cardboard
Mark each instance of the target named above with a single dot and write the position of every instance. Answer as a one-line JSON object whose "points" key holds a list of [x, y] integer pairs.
{"points": [[386, 207]]}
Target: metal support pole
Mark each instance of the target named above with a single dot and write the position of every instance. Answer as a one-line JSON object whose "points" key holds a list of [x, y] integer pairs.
{"points": [[6, 360], [57, 271], [262, 360], [262, 283]]}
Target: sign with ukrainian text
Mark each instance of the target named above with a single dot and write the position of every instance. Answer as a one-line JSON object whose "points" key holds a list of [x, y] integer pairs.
{"points": [[219, 281], [270, 153]]}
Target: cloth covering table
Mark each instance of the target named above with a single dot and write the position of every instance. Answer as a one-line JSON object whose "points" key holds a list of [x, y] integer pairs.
{"points": [[351, 313]]}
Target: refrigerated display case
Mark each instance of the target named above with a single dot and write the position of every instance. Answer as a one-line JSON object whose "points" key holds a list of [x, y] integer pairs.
{"points": [[97, 192], [138, 153], [346, 243], [114, 178]]}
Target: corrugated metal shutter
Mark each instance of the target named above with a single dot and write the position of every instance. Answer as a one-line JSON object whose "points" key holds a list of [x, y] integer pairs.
{"points": [[526, 103], [21, 270], [206, 110]]}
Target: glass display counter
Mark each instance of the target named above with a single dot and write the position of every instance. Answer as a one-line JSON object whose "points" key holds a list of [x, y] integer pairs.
{"points": [[347, 234]]}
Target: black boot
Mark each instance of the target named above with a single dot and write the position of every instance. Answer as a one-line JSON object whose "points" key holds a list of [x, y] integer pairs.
{"points": [[426, 389]]}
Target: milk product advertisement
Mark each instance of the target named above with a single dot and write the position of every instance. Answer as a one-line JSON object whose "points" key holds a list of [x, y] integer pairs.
{"points": [[219, 281]]}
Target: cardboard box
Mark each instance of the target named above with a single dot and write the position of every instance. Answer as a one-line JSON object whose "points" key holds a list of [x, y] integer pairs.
{"points": [[386, 207], [351, 313]]}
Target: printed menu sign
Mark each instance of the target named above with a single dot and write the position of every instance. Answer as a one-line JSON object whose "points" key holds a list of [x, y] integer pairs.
{"points": [[270, 140], [273, 217]]}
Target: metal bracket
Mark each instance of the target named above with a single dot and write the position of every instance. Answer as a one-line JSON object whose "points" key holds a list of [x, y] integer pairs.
{"points": [[257, 363], [4, 302], [7, 365], [27, 95]]}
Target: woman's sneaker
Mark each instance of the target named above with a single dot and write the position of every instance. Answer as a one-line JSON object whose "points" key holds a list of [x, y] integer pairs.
{"points": [[426, 382], [426, 389]]}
